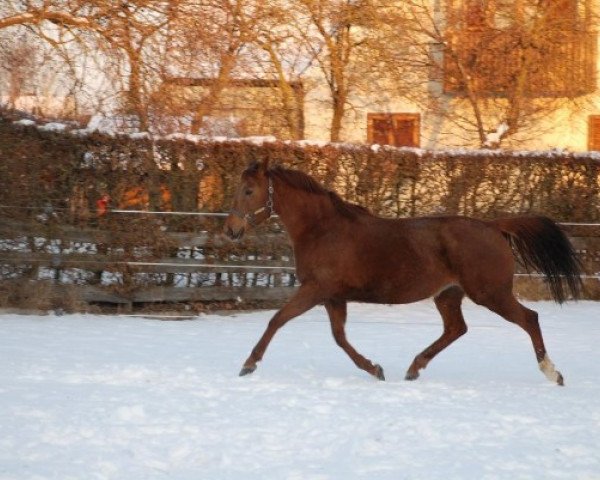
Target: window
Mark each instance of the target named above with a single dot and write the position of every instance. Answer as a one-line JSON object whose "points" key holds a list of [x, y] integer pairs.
{"points": [[594, 132], [396, 129]]}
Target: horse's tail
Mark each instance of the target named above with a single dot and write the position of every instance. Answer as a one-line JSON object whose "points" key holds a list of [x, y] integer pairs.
{"points": [[540, 244]]}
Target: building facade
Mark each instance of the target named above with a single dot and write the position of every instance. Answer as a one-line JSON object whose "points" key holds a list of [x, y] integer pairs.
{"points": [[528, 69], [516, 74]]}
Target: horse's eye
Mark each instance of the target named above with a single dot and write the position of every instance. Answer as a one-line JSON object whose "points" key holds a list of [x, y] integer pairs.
{"points": [[248, 192]]}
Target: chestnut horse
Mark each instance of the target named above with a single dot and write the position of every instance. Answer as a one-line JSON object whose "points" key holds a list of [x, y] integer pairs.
{"points": [[344, 253]]}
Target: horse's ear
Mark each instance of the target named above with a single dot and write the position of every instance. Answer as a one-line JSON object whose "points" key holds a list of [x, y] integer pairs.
{"points": [[264, 166], [256, 167]]}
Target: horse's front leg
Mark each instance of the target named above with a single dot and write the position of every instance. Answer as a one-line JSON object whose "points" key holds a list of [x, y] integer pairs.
{"points": [[304, 299], [337, 315]]}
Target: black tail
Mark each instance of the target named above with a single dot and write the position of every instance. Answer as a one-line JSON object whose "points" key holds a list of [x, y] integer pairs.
{"points": [[541, 245]]}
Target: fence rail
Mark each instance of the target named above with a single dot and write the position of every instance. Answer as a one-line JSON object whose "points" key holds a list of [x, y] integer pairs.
{"points": [[103, 266], [198, 267]]}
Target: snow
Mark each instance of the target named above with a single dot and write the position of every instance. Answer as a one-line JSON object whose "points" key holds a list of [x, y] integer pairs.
{"points": [[127, 126], [111, 125], [113, 397], [25, 122], [53, 127], [493, 138]]}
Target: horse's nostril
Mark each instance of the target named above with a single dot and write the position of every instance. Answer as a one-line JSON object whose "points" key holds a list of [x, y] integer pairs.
{"points": [[234, 235]]}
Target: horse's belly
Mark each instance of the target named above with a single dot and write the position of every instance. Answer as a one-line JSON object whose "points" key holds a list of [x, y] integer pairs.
{"points": [[375, 277], [401, 291]]}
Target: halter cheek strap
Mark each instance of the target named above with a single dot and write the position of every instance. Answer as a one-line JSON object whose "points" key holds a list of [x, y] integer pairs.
{"points": [[250, 217]]}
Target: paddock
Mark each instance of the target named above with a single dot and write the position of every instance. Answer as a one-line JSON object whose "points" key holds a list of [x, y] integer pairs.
{"points": [[112, 397]]}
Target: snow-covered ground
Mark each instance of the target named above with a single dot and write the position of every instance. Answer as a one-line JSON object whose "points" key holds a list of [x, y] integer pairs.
{"points": [[115, 397]]}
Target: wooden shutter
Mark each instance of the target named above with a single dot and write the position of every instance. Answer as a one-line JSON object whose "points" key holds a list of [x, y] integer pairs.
{"points": [[406, 132], [594, 132], [381, 128], [396, 129]]}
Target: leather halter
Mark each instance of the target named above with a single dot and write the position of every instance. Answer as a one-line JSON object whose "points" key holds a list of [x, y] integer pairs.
{"points": [[250, 217]]}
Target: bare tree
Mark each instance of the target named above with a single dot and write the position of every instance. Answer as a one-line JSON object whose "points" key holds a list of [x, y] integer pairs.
{"points": [[35, 57], [18, 62], [207, 41], [283, 56], [125, 31], [341, 37], [130, 36], [500, 67]]}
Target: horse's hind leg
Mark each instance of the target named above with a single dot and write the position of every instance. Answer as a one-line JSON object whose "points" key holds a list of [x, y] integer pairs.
{"points": [[509, 308], [337, 315], [448, 303]]}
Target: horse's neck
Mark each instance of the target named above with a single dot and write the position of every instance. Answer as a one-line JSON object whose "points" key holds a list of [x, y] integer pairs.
{"points": [[301, 211]]}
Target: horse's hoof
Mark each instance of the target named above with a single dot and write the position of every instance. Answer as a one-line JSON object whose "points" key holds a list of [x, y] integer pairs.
{"points": [[379, 373], [247, 370], [560, 380], [410, 376]]}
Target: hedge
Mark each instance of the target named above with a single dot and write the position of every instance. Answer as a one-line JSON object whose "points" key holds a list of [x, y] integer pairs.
{"points": [[67, 173]]}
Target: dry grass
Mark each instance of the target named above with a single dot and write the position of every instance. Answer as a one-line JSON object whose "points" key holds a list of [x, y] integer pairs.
{"points": [[534, 288], [40, 295]]}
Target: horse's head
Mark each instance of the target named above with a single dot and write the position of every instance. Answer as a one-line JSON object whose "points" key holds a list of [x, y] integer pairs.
{"points": [[253, 201]]}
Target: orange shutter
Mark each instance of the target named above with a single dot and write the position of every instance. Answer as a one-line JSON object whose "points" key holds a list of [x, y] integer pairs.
{"points": [[594, 132], [396, 129]]}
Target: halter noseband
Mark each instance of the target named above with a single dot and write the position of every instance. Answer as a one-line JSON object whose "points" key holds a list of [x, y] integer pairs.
{"points": [[250, 217]]}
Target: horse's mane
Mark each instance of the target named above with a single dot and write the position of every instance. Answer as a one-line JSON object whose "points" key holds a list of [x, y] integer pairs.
{"points": [[304, 182]]}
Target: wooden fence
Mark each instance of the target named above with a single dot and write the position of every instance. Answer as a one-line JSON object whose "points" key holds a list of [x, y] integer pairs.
{"points": [[198, 267]]}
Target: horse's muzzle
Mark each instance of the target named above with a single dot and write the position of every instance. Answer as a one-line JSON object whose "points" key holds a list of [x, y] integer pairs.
{"points": [[234, 234], [234, 228]]}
